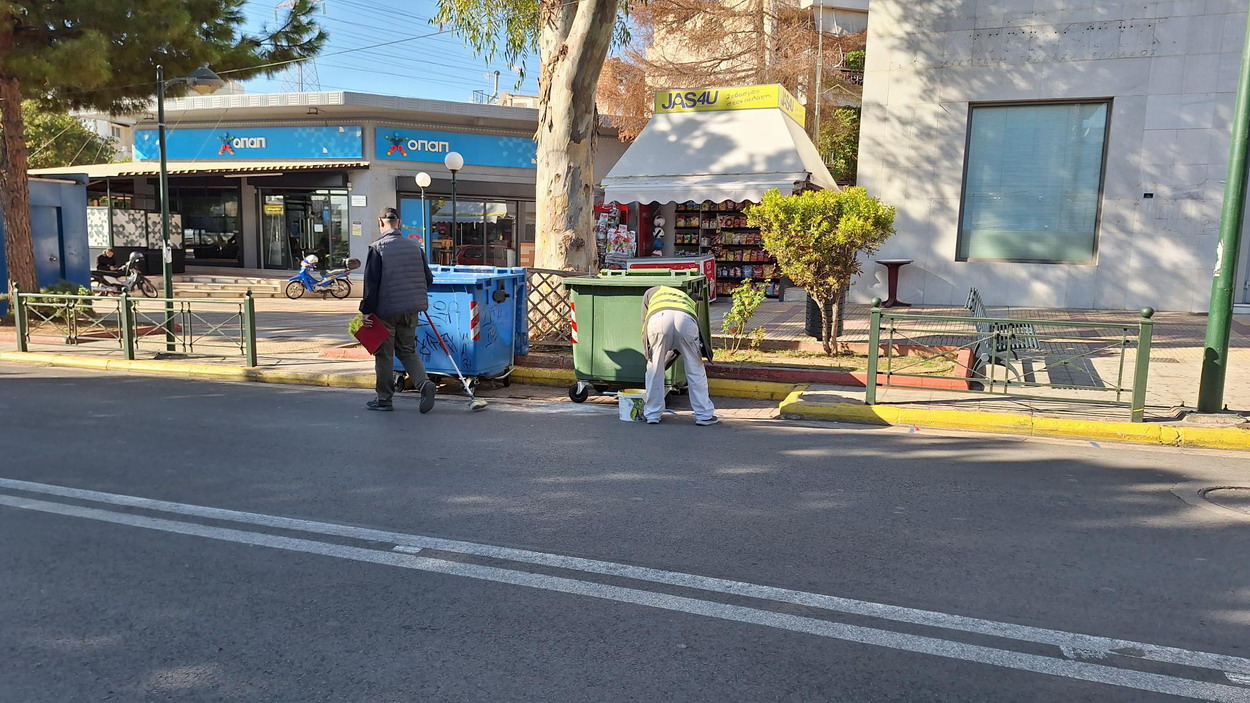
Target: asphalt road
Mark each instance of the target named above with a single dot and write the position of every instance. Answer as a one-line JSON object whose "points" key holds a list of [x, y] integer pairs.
{"points": [[179, 540]]}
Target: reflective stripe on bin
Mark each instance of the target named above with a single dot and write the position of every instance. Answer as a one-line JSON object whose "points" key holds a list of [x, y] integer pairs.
{"points": [[573, 320], [475, 328]]}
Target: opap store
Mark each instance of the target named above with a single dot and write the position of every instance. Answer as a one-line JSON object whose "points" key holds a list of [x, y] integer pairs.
{"points": [[260, 181]]}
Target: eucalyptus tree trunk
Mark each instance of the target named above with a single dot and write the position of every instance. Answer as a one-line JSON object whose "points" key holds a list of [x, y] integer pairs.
{"points": [[573, 45]]}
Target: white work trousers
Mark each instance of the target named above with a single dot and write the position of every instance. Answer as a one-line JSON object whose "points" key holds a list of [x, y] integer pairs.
{"points": [[673, 330]]}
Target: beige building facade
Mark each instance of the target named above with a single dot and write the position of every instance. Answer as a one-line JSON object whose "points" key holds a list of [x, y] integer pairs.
{"points": [[1052, 153]]}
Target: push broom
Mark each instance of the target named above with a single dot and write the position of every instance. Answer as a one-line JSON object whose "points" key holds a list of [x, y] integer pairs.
{"points": [[475, 403]]}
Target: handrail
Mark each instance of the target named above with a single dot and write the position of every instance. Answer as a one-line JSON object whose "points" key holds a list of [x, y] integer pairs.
{"points": [[999, 341], [1011, 320], [177, 324]]}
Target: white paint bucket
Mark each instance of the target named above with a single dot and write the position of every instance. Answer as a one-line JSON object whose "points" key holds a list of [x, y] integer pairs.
{"points": [[630, 402]]}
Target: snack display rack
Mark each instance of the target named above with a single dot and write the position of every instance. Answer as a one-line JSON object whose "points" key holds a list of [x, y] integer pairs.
{"points": [[721, 230]]}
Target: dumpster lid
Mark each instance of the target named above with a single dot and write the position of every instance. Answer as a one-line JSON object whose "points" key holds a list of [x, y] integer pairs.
{"points": [[474, 274], [636, 278]]}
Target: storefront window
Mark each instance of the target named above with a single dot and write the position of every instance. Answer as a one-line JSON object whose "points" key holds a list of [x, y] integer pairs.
{"points": [[475, 233], [295, 224], [529, 227], [1033, 184], [478, 233], [412, 216], [210, 224]]}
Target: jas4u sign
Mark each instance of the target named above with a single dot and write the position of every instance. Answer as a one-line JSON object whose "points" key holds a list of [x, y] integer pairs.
{"points": [[402, 144], [254, 143], [751, 97]]}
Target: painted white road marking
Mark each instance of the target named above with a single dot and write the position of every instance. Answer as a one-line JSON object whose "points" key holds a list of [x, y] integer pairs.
{"points": [[1067, 641], [1083, 671]]}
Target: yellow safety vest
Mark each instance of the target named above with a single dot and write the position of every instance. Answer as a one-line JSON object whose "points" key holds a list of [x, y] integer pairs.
{"points": [[667, 298]]}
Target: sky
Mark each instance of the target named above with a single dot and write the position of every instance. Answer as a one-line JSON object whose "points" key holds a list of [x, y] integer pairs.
{"points": [[439, 67]]}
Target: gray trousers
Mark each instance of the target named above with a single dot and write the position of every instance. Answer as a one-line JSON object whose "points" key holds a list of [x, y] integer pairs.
{"points": [[403, 344], [673, 330]]}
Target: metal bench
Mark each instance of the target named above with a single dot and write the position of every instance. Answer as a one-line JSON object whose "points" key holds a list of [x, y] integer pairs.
{"points": [[1000, 342]]}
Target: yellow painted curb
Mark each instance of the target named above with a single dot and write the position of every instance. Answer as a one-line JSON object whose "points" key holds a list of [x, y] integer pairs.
{"points": [[762, 390], [194, 370], [536, 376], [28, 357], [732, 388], [1135, 432], [100, 364], [1214, 437], [1129, 432], [350, 380]]}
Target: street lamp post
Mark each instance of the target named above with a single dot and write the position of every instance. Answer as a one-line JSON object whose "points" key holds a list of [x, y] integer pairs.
{"points": [[454, 162], [1220, 315], [203, 81], [423, 181]]}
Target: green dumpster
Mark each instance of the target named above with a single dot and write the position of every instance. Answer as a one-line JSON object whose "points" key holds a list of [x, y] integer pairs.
{"points": [[607, 324]]}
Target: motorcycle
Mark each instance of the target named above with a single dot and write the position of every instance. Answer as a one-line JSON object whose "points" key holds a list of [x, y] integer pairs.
{"points": [[336, 282], [128, 278]]}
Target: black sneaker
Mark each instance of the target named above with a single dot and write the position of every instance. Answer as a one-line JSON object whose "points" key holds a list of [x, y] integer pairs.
{"points": [[427, 396], [383, 407]]}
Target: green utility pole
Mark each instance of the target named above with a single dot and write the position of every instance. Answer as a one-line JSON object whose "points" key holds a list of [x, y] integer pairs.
{"points": [[1220, 318]]}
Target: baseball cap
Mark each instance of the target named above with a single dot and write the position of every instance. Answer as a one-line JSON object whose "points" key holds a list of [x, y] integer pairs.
{"points": [[388, 213]]}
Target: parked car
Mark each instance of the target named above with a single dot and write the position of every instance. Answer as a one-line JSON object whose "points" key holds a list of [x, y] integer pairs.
{"points": [[472, 255]]}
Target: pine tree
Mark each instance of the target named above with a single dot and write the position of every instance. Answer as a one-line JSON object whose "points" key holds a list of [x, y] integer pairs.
{"points": [[102, 54]]}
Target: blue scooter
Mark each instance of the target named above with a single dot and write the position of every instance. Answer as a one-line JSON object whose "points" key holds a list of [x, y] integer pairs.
{"points": [[336, 282]]}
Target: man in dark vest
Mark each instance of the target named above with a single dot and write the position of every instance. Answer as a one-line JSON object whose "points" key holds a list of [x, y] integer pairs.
{"points": [[670, 326], [397, 280]]}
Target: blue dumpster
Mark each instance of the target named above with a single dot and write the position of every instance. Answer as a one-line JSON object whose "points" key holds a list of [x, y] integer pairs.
{"points": [[482, 314]]}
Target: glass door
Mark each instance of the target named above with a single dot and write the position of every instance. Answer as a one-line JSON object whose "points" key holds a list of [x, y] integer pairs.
{"points": [[277, 251], [442, 241], [500, 222], [296, 224], [528, 230], [335, 219]]}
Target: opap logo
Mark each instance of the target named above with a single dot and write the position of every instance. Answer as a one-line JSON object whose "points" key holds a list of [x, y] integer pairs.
{"points": [[402, 145], [229, 143]]}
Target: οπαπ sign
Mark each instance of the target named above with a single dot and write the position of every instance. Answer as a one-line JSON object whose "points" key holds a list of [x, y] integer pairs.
{"points": [[253, 143], [403, 144]]}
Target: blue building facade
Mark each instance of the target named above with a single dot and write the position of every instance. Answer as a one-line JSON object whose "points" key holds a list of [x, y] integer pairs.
{"points": [[58, 219]]}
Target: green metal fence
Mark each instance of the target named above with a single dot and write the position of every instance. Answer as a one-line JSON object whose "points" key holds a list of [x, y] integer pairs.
{"points": [[133, 325], [1050, 360]]}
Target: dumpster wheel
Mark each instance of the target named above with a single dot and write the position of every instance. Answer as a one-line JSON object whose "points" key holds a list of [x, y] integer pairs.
{"points": [[579, 392], [504, 379]]}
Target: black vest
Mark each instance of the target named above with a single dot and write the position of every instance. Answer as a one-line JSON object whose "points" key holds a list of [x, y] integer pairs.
{"points": [[403, 290]]}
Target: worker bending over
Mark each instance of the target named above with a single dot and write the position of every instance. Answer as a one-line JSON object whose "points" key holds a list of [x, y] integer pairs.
{"points": [[670, 326]]}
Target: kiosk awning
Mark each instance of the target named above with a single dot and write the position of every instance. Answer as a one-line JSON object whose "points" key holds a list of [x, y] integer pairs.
{"points": [[727, 155]]}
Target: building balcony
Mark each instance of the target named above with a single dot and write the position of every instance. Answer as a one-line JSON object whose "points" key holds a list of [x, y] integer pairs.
{"points": [[851, 77]]}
